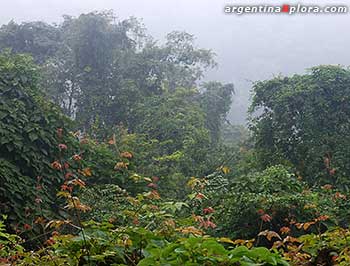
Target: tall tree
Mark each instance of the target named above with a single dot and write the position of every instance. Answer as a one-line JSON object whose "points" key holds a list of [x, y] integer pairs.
{"points": [[38, 39], [98, 68], [303, 120], [216, 100], [83, 76]]}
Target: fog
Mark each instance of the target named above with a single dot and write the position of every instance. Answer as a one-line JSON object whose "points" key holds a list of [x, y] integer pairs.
{"points": [[249, 47]]}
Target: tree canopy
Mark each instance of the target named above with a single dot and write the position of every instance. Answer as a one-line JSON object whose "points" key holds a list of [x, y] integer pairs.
{"points": [[113, 152], [303, 120]]}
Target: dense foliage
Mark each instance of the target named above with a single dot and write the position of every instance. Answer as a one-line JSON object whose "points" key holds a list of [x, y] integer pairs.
{"points": [[98, 69], [303, 122], [27, 140], [113, 153]]}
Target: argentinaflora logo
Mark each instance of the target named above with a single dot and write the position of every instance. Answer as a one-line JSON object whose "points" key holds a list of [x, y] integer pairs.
{"points": [[289, 9]]}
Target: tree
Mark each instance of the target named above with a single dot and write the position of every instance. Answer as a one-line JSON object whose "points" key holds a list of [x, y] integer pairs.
{"points": [[177, 122], [216, 101], [303, 121], [38, 39], [97, 68], [83, 77]]}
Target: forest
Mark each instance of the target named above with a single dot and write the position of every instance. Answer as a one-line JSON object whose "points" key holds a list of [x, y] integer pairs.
{"points": [[114, 151]]}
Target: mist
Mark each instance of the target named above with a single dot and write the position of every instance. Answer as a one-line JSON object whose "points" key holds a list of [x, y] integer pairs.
{"points": [[248, 47], [127, 138]]}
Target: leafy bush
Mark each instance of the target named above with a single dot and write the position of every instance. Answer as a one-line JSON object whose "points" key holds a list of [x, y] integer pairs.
{"points": [[206, 251], [271, 199], [146, 231], [332, 246], [28, 140], [9, 244]]}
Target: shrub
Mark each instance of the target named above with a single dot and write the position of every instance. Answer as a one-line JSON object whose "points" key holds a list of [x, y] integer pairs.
{"points": [[28, 140]]}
